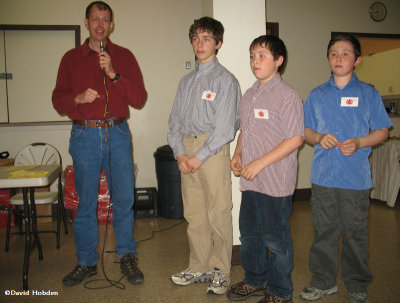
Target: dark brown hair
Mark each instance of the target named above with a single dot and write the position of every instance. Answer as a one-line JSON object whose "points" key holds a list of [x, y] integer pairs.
{"points": [[208, 25], [102, 6], [349, 38], [275, 46]]}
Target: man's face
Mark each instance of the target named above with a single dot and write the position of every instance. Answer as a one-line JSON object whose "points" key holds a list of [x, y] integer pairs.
{"points": [[99, 24]]}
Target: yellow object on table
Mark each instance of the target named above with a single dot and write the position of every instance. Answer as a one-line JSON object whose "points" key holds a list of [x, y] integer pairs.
{"points": [[27, 174]]}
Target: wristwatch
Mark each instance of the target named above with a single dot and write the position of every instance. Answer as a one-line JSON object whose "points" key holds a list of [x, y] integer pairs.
{"points": [[116, 77]]}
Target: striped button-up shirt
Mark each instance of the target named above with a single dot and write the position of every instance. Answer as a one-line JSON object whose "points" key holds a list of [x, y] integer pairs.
{"points": [[207, 102], [270, 114]]}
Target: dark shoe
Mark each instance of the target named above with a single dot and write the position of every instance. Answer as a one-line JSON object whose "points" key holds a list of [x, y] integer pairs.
{"points": [[359, 298], [131, 270], [241, 291], [79, 273], [274, 299]]}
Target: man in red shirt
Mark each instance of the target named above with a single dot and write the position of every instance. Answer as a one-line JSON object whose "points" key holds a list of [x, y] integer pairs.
{"points": [[96, 83]]}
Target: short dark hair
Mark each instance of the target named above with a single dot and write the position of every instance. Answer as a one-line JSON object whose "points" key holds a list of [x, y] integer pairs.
{"points": [[208, 25], [275, 46], [101, 6], [349, 38]]}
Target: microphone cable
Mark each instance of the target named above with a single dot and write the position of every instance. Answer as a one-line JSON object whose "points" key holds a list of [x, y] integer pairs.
{"points": [[111, 283]]}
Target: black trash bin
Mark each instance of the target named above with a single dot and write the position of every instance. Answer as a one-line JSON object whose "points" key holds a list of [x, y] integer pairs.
{"points": [[169, 183]]}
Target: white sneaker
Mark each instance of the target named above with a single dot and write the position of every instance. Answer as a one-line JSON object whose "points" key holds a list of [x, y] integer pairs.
{"points": [[219, 283], [187, 277], [311, 293]]}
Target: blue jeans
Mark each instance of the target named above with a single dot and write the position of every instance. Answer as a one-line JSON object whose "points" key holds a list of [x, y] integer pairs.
{"points": [[266, 253], [90, 152]]}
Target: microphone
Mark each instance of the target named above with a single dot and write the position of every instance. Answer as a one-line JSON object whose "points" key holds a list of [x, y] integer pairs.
{"points": [[102, 50]]}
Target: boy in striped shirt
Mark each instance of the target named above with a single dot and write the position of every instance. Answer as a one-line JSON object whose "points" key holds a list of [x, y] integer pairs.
{"points": [[265, 158]]}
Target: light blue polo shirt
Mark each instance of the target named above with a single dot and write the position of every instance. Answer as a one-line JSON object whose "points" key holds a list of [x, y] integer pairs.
{"points": [[351, 112]]}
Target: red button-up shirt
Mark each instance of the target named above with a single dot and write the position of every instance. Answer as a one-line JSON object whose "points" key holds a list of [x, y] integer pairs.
{"points": [[80, 69]]}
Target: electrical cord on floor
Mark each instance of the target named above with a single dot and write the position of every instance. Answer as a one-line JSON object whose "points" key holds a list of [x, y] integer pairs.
{"points": [[113, 283], [110, 283], [159, 231]]}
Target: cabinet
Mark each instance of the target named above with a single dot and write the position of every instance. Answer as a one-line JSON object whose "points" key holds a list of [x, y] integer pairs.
{"points": [[29, 59]]}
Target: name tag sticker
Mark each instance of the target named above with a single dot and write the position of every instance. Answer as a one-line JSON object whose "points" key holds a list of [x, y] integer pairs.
{"points": [[261, 114], [208, 95], [349, 102]]}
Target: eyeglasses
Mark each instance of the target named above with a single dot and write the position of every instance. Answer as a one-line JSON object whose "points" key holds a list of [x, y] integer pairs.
{"points": [[104, 20]]}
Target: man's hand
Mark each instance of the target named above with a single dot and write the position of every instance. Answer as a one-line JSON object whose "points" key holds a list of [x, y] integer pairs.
{"points": [[349, 146], [106, 65], [236, 164], [88, 96], [194, 163], [183, 165]]}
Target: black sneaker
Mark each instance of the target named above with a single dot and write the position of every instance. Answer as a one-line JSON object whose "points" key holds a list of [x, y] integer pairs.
{"points": [[274, 299], [79, 273], [241, 291], [131, 270]]}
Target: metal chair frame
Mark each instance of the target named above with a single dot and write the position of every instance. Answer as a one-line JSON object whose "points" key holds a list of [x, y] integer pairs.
{"points": [[37, 154]]}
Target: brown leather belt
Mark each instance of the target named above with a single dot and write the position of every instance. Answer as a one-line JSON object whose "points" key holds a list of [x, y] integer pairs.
{"points": [[99, 123]]}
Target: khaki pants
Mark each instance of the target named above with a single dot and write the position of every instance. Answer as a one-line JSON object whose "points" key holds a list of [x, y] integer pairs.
{"points": [[207, 201]]}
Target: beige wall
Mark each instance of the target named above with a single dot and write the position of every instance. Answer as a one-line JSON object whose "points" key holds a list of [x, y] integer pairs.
{"points": [[382, 70]]}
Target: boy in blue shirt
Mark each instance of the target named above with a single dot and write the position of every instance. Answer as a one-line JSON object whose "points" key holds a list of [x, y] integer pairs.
{"points": [[344, 118]]}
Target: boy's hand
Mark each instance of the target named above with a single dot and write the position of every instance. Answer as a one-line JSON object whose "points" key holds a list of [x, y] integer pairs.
{"points": [[328, 141], [251, 170], [183, 165], [194, 163], [349, 146], [236, 164]]}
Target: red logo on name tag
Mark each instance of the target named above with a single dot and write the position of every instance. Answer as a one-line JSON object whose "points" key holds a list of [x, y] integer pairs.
{"points": [[349, 101], [260, 114], [208, 96]]}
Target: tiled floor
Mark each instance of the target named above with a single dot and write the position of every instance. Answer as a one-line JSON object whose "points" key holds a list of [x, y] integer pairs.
{"points": [[167, 253]]}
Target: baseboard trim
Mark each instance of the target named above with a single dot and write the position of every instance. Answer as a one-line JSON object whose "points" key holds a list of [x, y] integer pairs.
{"points": [[236, 255], [299, 195], [302, 194]]}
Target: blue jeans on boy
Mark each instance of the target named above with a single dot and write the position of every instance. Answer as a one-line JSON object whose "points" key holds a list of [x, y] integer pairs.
{"points": [[90, 152], [264, 224]]}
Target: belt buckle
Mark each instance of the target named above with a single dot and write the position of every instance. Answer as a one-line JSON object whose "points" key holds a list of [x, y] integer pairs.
{"points": [[99, 124]]}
